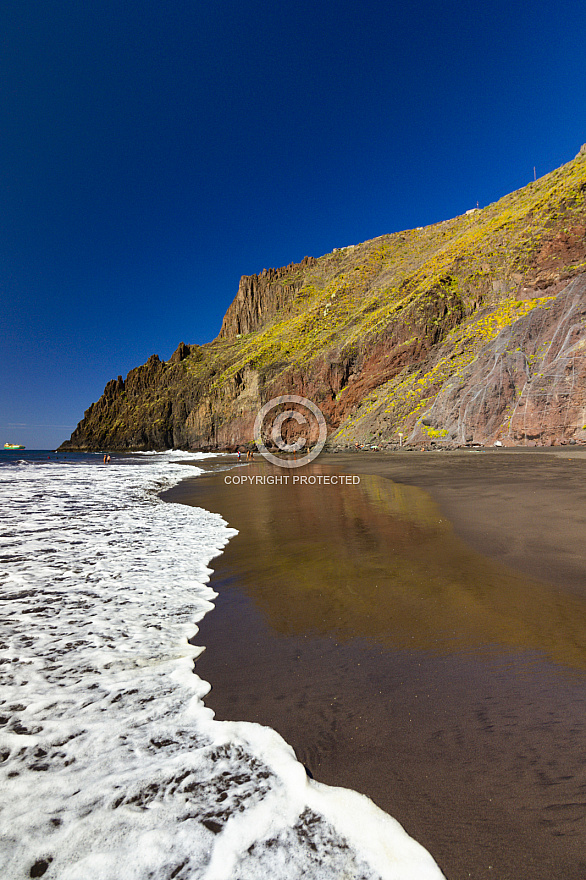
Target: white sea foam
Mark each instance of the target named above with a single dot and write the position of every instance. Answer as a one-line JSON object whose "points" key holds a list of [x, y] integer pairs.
{"points": [[111, 766]]}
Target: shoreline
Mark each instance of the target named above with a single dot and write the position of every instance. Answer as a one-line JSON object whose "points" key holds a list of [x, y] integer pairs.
{"points": [[475, 750]]}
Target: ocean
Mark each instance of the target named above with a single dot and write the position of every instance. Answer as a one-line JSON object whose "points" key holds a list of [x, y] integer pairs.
{"points": [[111, 766]]}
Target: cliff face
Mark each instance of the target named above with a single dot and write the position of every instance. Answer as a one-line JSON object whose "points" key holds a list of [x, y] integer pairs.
{"points": [[471, 330], [527, 385], [260, 297]]}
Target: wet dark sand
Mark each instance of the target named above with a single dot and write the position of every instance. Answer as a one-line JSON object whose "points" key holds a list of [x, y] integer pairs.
{"points": [[428, 650]]}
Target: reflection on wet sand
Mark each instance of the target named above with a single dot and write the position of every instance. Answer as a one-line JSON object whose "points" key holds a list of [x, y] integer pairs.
{"points": [[399, 662], [379, 561]]}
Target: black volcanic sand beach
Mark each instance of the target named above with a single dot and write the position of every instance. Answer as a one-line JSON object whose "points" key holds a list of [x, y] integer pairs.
{"points": [[424, 646]]}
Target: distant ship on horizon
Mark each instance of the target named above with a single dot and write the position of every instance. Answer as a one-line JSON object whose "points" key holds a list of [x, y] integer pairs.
{"points": [[13, 446]]}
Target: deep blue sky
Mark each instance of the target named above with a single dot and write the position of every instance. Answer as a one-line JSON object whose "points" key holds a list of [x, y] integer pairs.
{"points": [[151, 152]]}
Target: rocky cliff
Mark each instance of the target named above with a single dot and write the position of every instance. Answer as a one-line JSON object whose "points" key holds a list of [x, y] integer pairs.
{"points": [[260, 297], [468, 331]]}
